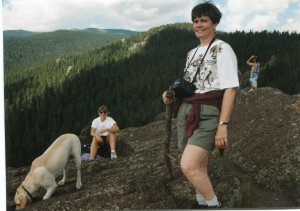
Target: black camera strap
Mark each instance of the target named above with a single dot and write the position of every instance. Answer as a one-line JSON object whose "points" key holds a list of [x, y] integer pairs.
{"points": [[198, 69], [192, 58]]}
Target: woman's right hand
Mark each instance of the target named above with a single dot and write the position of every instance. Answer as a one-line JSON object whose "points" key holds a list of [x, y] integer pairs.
{"points": [[165, 99], [98, 138]]}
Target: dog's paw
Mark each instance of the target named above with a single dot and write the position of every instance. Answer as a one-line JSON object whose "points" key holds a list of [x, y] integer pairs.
{"points": [[78, 185], [62, 182]]}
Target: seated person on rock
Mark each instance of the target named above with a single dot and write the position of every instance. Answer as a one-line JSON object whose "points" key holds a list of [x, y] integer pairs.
{"points": [[103, 129]]}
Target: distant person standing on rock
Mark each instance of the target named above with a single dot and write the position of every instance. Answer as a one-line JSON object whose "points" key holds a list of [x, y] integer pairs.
{"points": [[253, 61], [103, 129], [202, 119]]}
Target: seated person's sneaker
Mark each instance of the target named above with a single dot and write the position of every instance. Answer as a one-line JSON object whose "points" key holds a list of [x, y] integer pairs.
{"points": [[113, 155]]}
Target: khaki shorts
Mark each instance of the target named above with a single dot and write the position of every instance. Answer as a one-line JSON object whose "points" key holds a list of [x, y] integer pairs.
{"points": [[204, 135]]}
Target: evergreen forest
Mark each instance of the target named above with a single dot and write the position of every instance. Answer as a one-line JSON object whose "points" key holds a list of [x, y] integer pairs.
{"points": [[61, 93], [23, 49]]}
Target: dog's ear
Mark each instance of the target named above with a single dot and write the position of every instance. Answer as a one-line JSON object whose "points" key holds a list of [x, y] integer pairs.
{"points": [[23, 201], [16, 199], [20, 199], [17, 202]]}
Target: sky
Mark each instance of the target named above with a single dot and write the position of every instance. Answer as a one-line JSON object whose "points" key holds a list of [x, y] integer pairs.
{"points": [[141, 15]]}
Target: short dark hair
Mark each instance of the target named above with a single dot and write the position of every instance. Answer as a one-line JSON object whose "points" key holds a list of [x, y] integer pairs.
{"points": [[207, 9], [102, 108]]}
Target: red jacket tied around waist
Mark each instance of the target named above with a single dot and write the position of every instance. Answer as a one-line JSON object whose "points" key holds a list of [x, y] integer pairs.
{"points": [[213, 98]]}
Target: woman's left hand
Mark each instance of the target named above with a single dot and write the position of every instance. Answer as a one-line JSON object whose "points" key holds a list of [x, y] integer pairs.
{"points": [[221, 138], [104, 130]]}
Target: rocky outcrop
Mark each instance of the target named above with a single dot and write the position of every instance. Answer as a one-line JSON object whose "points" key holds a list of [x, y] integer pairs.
{"points": [[259, 170], [265, 140]]}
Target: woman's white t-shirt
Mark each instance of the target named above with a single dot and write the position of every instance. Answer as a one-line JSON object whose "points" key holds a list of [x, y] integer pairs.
{"points": [[99, 125], [218, 70]]}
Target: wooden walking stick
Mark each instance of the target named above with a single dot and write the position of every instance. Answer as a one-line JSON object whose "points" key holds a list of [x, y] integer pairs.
{"points": [[168, 132]]}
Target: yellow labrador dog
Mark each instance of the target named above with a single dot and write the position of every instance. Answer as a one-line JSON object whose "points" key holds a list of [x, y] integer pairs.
{"points": [[47, 167]]}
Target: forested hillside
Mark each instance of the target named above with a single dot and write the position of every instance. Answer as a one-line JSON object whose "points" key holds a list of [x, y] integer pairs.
{"points": [[17, 33], [23, 49], [63, 94]]}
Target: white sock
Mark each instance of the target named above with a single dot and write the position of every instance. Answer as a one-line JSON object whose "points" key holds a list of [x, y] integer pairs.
{"points": [[113, 151], [213, 202], [200, 199]]}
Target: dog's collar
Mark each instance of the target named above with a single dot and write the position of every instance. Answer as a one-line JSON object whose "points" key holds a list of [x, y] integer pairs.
{"points": [[33, 199]]}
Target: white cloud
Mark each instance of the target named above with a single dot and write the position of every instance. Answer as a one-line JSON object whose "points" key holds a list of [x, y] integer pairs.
{"points": [[256, 6], [262, 22], [140, 15], [255, 15], [293, 23], [47, 15], [145, 14]]}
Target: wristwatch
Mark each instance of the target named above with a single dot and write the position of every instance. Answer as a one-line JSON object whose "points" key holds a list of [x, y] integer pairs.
{"points": [[223, 123]]}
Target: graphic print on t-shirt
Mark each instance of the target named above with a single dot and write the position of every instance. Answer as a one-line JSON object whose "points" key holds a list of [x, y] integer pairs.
{"points": [[214, 73], [205, 75]]}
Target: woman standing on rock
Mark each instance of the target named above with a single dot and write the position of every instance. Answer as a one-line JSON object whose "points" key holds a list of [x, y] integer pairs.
{"points": [[202, 119], [253, 61]]}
